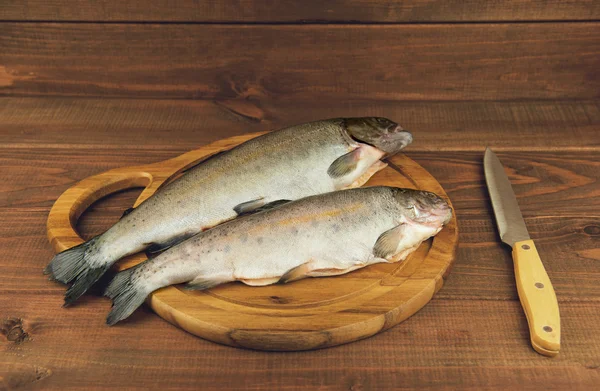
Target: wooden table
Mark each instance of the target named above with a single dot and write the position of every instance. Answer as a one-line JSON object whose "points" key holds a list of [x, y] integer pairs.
{"points": [[473, 334], [86, 86]]}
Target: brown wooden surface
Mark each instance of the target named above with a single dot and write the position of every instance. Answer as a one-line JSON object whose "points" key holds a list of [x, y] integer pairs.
{"points": [[527, 86], [448, 126], [252, 11], [472, 335], [278, 62]]}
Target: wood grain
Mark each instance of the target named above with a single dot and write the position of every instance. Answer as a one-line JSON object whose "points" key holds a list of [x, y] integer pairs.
{"points": [[473, 335], [485, 347], [264, 11], [321, 63], [181, 125]]}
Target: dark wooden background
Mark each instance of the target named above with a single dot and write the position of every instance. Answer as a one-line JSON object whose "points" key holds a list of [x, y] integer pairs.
{"points": [[86, 86]]}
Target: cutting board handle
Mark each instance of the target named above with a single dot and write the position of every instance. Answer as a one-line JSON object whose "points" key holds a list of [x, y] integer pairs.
{"points": [[65, 212]]}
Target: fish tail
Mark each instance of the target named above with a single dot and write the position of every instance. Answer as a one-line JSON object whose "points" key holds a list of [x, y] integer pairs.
{"points": [[126, 294], [78, 265]]}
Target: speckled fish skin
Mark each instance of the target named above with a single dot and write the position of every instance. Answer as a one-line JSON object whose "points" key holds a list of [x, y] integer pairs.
{"points": [[322, 235], [287, 164]]}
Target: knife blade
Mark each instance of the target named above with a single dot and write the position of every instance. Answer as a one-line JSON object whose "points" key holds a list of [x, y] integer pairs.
{"points": [[533, 285]]}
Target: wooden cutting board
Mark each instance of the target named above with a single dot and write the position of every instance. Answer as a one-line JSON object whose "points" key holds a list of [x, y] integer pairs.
{"points": [[307, 314]]}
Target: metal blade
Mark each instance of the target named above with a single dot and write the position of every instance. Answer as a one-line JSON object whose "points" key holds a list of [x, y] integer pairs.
{"points": [[508, 215]]}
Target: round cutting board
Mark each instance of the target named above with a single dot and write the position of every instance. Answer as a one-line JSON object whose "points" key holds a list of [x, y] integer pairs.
{"points": [[307, 314]]}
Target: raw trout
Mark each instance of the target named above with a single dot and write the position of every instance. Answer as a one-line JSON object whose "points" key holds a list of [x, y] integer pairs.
{"points": [[289, 164], [321, 235]]}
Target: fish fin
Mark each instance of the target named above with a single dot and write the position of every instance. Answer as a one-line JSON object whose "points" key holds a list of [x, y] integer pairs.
{"points": [[296, 273], [78, 265], [364, 178], [126, 295], [201, 283], [260, 281], [270, 205], [65, 265], [402, 255], [249, 206], [332, 271], [257, 205], [388, 242], [155, 248], [83, 282], [344, 164], [127, 211], [313, 269]]}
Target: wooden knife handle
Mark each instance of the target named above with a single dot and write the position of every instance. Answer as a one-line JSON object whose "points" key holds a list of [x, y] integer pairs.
{"points": [[537, 298]]}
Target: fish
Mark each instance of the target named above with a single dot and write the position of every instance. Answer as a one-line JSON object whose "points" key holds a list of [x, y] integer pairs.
{"points": [[321, 235], [287, 164]]}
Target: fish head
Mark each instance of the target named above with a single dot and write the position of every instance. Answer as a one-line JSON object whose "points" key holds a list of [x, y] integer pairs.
{"points": [[382, 133], [424, 207]]}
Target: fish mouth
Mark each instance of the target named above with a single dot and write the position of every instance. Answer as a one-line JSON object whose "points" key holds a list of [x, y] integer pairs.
{"points": [[445, 214], [389, 143], [398, 137], [440, 214]]}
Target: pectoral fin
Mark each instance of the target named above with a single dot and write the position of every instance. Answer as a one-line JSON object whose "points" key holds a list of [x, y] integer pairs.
{"points": [[345, 164], [388, 242], [364, 178]]}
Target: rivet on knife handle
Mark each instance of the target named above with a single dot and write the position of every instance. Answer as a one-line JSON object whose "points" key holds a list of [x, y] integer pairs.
{"points": [[537, 298]]}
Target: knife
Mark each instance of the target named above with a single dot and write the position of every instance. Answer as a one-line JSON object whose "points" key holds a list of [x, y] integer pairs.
{"points": [[535, 290]]}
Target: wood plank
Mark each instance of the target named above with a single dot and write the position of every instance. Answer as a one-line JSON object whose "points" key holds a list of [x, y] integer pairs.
{"points": [[180, 125], [264, 11], [450, 344], [320, 63], [546, 183]]}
